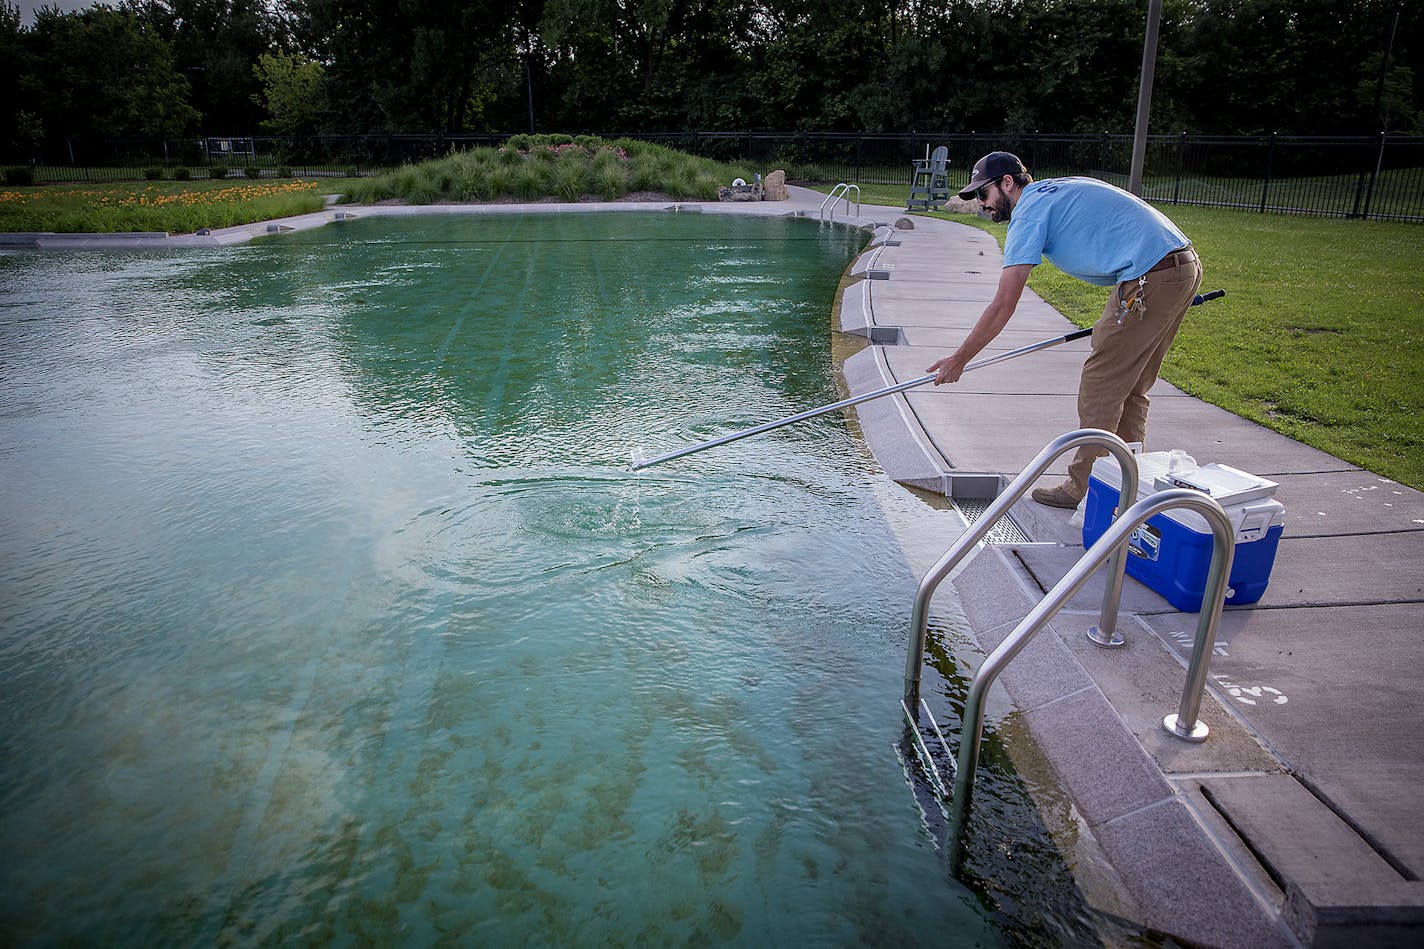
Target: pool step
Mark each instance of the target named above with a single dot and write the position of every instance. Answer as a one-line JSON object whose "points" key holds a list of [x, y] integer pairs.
{"points": [[971, 495]]}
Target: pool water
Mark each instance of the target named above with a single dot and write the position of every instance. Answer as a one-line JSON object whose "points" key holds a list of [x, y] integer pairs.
{"points": [[330, 613]]}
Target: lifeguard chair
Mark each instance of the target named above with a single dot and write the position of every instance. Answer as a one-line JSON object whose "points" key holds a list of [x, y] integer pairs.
{"points": [[929, 182]]}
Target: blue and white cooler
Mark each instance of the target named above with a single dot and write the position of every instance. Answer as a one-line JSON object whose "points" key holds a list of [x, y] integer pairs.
{"points": [[1171, 551]]}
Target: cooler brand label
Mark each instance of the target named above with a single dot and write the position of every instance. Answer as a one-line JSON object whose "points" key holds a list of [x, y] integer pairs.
{"points": [[1145, 542]]}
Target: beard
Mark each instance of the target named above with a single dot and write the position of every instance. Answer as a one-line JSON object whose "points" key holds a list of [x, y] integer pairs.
{"points": [[1000, 210]]}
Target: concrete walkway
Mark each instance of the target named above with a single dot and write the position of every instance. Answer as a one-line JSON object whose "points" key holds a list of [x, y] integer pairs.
{"points": [[1297, 821]]}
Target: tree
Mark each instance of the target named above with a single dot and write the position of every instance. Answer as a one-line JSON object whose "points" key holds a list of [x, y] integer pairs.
{"points": [[108, 74], [1223, 66], [14, 72], [291, 92], [411, 65], [215, 44]]}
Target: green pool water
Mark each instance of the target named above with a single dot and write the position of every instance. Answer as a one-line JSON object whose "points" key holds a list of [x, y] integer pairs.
{"points": [[329, 612]]}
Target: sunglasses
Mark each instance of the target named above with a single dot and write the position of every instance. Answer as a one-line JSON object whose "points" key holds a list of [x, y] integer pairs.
{"points": [[983, 193]]}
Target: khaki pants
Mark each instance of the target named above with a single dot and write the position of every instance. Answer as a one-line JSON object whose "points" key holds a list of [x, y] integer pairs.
{"points": [[1128, 354]]}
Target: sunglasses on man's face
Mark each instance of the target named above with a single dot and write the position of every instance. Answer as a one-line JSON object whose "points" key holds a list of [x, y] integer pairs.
{"points": [[983, 193]]}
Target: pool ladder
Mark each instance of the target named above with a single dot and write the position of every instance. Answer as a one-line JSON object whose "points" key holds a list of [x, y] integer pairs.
{"points": [[843, 191], [1110, 547]]}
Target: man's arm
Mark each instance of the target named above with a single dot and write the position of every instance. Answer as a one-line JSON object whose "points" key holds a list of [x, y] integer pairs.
{"points": [[991, 323]]}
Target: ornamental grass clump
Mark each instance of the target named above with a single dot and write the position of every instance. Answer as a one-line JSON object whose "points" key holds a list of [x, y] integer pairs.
{"points": [[645, 174], [501, 181], [611, 181], [472, 184], [530, 181], [571, 178]]}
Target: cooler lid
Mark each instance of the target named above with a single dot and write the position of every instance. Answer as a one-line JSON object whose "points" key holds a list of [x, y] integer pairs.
{"points": [[1224, 483]]}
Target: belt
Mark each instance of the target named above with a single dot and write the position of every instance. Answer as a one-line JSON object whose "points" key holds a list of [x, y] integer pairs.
{"points": [[1175, 259]]}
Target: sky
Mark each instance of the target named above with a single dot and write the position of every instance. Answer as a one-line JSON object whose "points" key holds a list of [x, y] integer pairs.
{"points": [[28, 7]]}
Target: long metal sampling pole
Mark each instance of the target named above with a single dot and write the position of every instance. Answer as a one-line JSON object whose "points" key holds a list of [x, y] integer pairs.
{"points": [[639, 463], [854, 400]]}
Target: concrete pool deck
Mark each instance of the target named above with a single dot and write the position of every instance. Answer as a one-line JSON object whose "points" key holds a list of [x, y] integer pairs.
{"points": [[1294, 823]]}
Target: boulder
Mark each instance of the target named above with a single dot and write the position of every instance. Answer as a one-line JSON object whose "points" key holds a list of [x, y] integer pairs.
{"points": [[905, 224], [775, 186]]}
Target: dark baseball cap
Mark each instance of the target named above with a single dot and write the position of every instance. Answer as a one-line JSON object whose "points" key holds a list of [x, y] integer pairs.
{"points": [[992, 167]]}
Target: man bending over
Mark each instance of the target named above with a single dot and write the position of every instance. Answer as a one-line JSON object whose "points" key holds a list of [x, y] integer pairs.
{"points": [[1105, 236]]}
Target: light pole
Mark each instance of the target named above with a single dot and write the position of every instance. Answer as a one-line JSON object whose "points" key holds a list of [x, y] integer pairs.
{"points": [[1144, 97], [529, 91]]}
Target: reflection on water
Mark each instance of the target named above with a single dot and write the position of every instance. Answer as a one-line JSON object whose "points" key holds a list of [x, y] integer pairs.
{"points": [[329, 613]]}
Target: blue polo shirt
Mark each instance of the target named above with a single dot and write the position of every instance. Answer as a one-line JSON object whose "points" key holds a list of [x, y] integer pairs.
{"points": [[1090, 230]]}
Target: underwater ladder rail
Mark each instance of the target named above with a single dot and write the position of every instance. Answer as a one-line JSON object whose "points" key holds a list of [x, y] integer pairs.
{"points": [[1110, 547]]}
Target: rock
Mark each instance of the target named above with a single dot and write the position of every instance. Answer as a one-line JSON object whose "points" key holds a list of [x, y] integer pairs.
{"points": [[905, 224], [739, 193], [775, 186], [958, 205]]}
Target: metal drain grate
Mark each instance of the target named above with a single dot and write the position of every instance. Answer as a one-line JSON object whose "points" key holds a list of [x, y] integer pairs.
{"points": [[1004, 532]]}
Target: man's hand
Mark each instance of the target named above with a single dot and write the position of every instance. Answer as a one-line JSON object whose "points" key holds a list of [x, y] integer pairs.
{"points": [[948, 369]]}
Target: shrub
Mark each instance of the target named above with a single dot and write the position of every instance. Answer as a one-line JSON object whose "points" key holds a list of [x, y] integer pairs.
{"points": [[20, 175], [181, 174], [153, 174], [284, 172], [252, 171], [605, 157], [519, 143], [218, 171]]}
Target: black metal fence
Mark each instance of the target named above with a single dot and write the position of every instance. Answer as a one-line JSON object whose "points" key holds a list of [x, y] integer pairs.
{"points": [[1377, 177]]}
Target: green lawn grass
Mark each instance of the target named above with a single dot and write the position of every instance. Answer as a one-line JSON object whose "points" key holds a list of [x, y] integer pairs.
{"points": [[1320, 335]]}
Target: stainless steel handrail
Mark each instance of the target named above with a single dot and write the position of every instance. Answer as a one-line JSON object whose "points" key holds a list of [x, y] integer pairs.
{"points": [[1184, 723], [919, 614], [841, 190]]}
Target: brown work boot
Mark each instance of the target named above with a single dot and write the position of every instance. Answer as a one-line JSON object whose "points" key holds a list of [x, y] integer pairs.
{"points": [[1059, 496]]}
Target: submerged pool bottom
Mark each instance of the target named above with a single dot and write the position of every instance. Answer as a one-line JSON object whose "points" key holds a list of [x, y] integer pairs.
{"points": [[330, 613]]}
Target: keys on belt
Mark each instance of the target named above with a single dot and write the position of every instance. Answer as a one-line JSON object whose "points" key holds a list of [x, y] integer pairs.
{"points": [[1131, 301]]}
